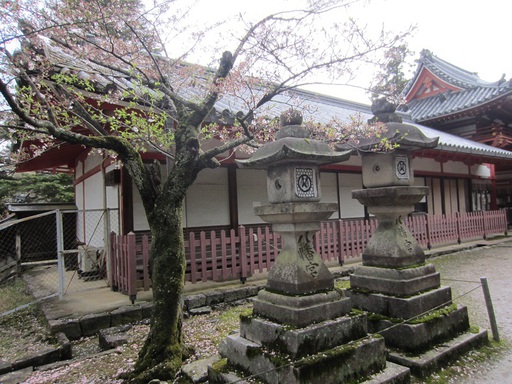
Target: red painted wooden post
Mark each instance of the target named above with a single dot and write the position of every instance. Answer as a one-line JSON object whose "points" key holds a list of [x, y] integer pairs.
{"points": [[243, 253], [457, 222], [145, 261], [341, 256], [252, 268], [204, 268], [214, 243], [484, 220], [224, 254], [346, 241], [193, 265], [132, 267], [353, 252], [260, 249], [234, 266], [113, 261], [428, 231], [122, 264]]}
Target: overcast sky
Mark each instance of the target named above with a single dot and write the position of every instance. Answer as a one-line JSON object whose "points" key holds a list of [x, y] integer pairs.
{"points": [[474, 35]]}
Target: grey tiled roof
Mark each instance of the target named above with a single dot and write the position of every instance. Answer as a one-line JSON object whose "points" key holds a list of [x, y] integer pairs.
{"points": [[328, 107], [453, 102], [474, 92], [320, 108]]}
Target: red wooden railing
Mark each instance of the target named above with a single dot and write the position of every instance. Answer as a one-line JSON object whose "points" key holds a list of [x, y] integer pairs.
{"points": [[237, 254]]}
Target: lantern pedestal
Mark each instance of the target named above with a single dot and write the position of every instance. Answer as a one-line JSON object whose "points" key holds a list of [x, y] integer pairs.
{"points": [[397, 285]]}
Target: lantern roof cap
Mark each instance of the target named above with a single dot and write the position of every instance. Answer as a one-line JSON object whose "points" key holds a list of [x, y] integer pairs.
{"points": [[293, 144]]}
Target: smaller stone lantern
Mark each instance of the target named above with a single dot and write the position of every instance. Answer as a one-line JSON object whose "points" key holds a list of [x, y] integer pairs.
{"points": [[394, 281], [390, 195]]}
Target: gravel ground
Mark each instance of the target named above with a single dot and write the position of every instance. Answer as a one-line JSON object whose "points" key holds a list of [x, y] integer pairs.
{"points": [[462, 271]]}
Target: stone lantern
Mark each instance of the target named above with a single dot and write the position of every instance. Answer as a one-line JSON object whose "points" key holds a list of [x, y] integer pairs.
{"points": [[299, 319], [394, 281], [390, 195], [295, 211]]}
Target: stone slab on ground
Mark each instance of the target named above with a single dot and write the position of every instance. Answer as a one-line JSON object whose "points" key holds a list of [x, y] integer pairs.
{"points": [[70, 327], [126, 314], [5, 366], [197, 371], [424, 364], [91, 324], [16, 377], [200, 311], [46, 356], [113, 337]]}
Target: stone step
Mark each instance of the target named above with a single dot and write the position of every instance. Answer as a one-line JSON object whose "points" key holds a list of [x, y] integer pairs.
{"points": [[424, 364], [401, 307], [392, 374], [350, 361], [298, 342]]}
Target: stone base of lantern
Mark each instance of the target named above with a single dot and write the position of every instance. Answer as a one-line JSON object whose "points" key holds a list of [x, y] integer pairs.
{"points": [[414, 314], [332, 351], [300, 311]]}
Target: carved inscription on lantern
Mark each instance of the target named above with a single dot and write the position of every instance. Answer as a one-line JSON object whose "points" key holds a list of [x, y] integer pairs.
{"points": [[306, 251], [305, 183]]}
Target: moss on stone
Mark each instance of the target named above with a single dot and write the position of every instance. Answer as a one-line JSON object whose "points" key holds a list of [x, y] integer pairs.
{"points": [[434, 315], [221, 366]]}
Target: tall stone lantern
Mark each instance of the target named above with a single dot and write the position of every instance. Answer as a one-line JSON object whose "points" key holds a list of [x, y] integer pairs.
{"points": [[295, 211], [300, 330], [394, 281]]}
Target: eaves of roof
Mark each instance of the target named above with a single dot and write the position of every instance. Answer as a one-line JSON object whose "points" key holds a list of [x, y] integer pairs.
{"points": [[456, 144], [449, 103], [449, 73]]}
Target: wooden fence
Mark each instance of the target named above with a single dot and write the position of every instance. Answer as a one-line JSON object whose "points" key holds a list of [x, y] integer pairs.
{"points": [[237, 254]]}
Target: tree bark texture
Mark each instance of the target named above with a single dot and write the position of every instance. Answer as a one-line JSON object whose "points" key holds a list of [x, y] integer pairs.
{"points": [[161, 355]]}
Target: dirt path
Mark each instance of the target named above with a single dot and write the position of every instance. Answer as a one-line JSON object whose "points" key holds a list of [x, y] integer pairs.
{"points": [[462, 271]]}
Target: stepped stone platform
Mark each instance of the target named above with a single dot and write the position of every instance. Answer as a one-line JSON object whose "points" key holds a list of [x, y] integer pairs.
{"points": [[422, 325]]}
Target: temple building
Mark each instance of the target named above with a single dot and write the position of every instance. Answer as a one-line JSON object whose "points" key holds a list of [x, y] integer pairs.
{"points": [[456, 101]]}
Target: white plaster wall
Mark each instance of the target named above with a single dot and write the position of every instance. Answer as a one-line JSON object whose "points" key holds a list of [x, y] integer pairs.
{"points": [[207, 200], [423, 164], [353, 160], [94, 191], [140, 222], [350, 207], [455, 167], [329, 190], [94, 204], [481, 170], [92, 160], [252, 191]]}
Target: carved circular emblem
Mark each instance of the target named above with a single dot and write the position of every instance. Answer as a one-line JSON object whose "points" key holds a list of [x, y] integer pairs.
{"points": [[401, 168], [305, 183]]}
